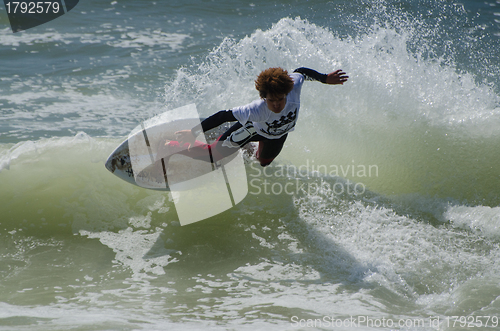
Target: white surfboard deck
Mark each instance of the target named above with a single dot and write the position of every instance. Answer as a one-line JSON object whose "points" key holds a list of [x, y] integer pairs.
{"points": [[180, 168]]}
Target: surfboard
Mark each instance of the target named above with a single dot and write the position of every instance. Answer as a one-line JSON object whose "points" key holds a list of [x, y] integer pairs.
{"points": [[143, 167]]}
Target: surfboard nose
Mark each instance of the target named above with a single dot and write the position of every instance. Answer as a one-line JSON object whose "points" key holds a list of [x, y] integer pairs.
{"points": [[118, 163], [109, 163]]}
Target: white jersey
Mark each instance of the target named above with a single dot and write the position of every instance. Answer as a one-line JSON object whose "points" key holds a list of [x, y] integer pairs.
{"points": [[268, 124]]}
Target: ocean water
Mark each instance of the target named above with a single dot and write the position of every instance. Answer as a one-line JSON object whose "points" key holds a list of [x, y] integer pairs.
{"points": [[381, 213]]}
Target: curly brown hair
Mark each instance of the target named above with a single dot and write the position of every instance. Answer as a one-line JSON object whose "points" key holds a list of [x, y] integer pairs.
{"points": [[273, 81]]}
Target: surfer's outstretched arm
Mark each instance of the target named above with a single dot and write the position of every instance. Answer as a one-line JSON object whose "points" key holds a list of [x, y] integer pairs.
{"points": [[337, 77]]}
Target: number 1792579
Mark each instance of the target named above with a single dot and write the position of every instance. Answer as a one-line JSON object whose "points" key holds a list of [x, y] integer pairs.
{"points": [[39, 7]]}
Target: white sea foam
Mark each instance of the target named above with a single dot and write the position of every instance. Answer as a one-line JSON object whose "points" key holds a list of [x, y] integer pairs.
{"points": [[129, 38], [482, 219]]}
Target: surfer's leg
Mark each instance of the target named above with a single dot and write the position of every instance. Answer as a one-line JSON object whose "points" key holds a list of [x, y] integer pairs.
{"points": [[229, 142], [238, 135], [269, 149], [235, 138]]}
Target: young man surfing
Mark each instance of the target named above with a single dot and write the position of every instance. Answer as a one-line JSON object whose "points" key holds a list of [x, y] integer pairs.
{"points": [[267, 120]]}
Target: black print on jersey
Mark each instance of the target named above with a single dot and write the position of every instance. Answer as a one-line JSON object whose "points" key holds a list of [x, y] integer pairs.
{"points": [[281, 126]]}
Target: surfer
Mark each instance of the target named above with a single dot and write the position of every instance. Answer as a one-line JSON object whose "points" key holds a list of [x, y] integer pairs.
{"points": [[267, 120]]}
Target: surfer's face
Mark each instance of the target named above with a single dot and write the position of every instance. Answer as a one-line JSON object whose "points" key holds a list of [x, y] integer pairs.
{"points": [[276, 103]]}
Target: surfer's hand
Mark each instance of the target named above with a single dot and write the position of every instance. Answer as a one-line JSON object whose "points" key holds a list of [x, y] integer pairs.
{"points": [[337, 77], [185, 137]]}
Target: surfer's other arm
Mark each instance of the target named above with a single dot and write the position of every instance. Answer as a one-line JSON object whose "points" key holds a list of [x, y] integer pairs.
{"points": [[213, 121], [189, 136]]}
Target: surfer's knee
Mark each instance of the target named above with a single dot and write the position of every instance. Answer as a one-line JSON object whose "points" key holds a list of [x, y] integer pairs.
{"points": [[265, 162]]}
